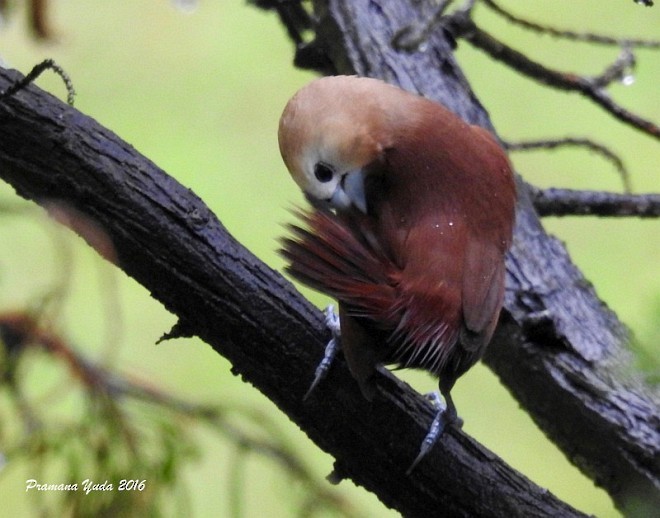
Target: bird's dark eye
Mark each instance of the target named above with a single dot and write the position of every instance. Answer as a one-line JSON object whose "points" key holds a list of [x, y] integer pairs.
{"points": [[323, 172]]}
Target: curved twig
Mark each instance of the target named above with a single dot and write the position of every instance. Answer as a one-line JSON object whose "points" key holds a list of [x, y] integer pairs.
{"points": [[37, 70], [566, 34], [600, 149]]}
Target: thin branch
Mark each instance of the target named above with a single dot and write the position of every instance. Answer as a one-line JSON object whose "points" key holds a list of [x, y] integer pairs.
{"points": [[567, 202], [599, 149], [620, 70], [462, 26], [570, 35]]}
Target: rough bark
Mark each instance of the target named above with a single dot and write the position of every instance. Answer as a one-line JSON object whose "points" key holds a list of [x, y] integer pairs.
{"points": [[558, 349]]}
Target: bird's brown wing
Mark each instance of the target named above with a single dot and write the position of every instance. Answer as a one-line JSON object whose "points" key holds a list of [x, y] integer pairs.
{"points": [[491, 226], [483, 290]]}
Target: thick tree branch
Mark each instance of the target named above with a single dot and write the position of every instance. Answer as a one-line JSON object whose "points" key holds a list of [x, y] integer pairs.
{"points": [[567, 202], [167, 239]]}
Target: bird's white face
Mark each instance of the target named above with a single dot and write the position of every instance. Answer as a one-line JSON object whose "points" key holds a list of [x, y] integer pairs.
{"points": [[319, 171], [324, 172]]}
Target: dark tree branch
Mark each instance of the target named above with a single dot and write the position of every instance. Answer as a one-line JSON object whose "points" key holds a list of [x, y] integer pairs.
{"points": [[558, 349], [569, 35], [462, 26], [298, 24], [294, 17], [567, 202], [168, 240]]}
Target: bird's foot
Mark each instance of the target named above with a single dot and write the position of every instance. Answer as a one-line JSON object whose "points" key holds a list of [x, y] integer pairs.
{"points": [[331, 349], [445, 415]]}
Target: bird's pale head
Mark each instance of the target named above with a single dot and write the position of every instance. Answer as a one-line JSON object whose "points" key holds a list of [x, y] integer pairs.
{"points": [[330, 130]]}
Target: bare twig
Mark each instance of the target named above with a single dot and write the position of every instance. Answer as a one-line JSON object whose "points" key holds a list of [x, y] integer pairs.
{"points": [[462, 26], [600, 149], [47, 64], [567, 202], [620, 70], [566, 34]]}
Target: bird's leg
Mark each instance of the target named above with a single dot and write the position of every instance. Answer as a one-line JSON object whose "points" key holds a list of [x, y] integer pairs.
{"points": [[446, 415], [331, 349]]}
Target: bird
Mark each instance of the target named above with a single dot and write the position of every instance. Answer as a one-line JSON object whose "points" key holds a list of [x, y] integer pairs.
{"points": [[412, 213]]}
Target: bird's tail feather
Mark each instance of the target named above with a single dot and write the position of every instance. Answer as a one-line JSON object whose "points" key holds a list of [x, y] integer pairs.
{"points": [[330, 257]]}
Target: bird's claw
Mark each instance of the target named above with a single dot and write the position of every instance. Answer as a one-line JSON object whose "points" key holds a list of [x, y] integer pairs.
{"points": [[443, 417], [332, 323], [436, 401]]}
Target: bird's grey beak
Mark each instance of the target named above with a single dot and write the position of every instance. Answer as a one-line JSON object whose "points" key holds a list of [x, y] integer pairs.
{"points": [[323, 205], [350, 192]]}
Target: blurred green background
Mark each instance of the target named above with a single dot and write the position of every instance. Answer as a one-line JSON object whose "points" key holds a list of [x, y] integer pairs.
{"points": [[200, 93]]}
